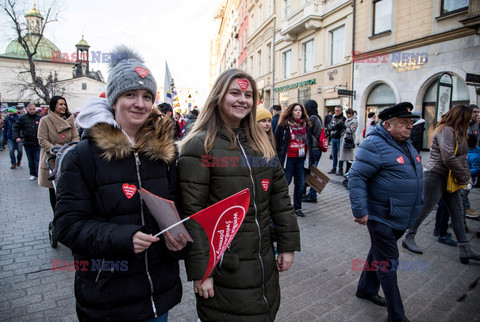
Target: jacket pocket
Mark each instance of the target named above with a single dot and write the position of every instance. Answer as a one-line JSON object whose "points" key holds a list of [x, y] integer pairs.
{"points": [[399, 213]]}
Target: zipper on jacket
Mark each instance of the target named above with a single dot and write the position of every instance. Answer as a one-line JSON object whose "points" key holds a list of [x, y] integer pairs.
{"points": [[258, 229], [137, 165], [99, 271]]}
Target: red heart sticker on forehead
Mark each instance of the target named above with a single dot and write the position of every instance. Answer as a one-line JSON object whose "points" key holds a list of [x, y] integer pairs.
{"points": [[141, 71], [243, 83]]}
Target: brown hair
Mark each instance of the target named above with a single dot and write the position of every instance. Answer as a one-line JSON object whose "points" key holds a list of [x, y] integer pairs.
{"points": [[458, 118], [210, 121], [285, 116]]}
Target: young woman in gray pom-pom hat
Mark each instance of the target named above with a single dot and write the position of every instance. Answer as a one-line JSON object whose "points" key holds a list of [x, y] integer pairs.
{"points": [[124, 272]]}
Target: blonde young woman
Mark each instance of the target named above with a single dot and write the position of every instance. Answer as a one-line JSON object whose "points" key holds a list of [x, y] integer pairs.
{"points": [[225, 153], [264, 119]]}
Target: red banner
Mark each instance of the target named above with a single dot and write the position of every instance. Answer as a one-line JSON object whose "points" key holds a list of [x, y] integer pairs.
{"points": [[221, 222]]}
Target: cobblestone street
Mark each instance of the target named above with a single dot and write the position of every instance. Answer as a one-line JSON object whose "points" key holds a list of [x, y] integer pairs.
{"points": [[320, 286]]}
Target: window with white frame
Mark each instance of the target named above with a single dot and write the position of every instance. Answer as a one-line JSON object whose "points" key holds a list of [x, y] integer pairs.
{"points": [[251, 65], [259, 55], [287, 63], [453, 5], [337, 48], [269, 55], [286, 8], [260, 15], [382, 16], [308, 56]]}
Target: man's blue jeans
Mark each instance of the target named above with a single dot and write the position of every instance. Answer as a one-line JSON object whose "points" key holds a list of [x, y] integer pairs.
{"points": [[12, 146], [335, 152], [317, 154], [295, 169], [33, 155]]}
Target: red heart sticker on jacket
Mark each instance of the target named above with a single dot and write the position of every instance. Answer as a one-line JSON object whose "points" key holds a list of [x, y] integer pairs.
{"points": [[141, 71], [62, 136], [243, 83], [418, 159], [400, 160], [129, 190], [265, 184]]}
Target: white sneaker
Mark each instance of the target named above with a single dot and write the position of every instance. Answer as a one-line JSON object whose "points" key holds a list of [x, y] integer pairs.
{"points": [[32, 178]]}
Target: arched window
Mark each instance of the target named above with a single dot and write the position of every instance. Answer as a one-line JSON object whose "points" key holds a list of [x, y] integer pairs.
{"points": [[380, 97], [460, 95]]}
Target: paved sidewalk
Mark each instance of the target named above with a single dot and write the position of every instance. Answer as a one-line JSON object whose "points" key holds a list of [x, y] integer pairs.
{"points": [[320, 286]]}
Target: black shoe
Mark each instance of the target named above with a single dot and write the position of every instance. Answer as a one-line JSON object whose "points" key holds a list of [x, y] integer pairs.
{"points": [[478, 233], [332, 171], [436, 233], [340, 173], [375, 299], [403, 319], [447, 240], [299, 213], [309, 199]]}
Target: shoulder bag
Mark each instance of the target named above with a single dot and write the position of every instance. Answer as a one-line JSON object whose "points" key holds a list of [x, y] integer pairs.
{"points": [[452, 183]]}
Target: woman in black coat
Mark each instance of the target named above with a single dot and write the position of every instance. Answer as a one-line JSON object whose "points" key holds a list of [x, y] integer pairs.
{"points": [[294, 142], [124, 272]]}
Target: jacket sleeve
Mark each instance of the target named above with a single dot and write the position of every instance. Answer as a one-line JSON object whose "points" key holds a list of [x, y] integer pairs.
{"points": [[194, 181], [367, 163], [75, 221], [172, 176], [43, 136], [17, 127], [279, 137], [281, 212], [317, 126], [459, 167]]}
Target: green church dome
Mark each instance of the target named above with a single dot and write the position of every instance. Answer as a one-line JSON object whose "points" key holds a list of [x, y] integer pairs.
{"points": [[44, 49]]}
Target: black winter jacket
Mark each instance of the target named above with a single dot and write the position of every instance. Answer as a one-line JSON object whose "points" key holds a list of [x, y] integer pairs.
{"points": [[246, 279], [337, 126], [99, 210], [26, 128]]}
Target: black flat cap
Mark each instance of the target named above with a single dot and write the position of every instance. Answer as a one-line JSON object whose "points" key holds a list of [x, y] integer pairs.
{"points": [[399, 110]]}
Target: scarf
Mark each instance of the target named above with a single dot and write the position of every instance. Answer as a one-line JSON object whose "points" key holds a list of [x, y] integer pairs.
{"points": [[299, 129]]}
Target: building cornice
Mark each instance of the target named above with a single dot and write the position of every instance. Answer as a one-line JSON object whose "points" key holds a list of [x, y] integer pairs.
{"points": [[424, 41]]}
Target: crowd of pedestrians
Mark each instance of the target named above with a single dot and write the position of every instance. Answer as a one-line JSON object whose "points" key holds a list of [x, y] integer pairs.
{"points": [[127, 143]]}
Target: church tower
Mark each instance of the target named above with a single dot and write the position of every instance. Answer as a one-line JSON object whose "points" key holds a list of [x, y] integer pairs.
{"points": [[34, 21], [82, 63]]}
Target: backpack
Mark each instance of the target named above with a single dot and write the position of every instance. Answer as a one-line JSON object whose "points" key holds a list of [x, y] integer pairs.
{"points": [[86, 161]]}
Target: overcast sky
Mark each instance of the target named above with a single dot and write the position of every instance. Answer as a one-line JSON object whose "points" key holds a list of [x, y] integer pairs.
{"points": [[175, 31]]}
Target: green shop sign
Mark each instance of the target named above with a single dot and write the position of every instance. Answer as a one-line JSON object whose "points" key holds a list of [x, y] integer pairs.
{"points": [[295, 85]]}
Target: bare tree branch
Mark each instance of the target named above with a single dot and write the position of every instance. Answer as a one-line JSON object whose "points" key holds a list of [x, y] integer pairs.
{"points": [[43, 88]]}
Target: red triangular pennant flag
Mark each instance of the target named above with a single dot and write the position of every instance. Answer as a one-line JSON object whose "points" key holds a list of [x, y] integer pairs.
{"points": [[221, 222]]}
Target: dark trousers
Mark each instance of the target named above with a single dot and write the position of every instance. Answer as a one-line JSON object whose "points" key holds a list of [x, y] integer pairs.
{"points": [[384, 249], [33, 155], [335, 155], [295, 169], [441, 220]]}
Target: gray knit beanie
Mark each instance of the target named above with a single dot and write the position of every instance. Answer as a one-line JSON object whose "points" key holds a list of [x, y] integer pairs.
{"points": [[128, 73]]}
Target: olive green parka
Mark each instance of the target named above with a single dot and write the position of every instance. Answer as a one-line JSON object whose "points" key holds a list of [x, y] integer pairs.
{"points": [[246, 281]]}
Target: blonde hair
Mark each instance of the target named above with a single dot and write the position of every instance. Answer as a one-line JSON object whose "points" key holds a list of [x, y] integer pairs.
{"points": [[210, 121]]}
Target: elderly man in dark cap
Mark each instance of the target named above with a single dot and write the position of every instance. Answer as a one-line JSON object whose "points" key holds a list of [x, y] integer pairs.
{"points": [[385, 186]]}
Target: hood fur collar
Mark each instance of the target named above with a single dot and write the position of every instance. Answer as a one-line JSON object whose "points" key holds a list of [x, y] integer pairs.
{"points": [[154, 139]]}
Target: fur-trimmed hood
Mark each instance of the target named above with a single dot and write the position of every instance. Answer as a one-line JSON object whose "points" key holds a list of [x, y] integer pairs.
{"points": [[154, 138]]}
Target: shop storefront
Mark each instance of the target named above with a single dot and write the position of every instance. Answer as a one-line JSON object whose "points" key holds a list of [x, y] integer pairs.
{"points": [[413, 77]]}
